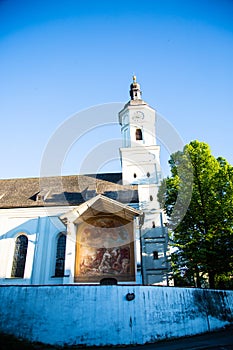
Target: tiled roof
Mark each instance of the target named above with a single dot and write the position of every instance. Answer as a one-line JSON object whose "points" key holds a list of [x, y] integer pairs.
{"points": [[63, 190]]}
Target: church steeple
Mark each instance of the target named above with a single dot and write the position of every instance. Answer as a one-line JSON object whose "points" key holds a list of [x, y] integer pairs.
{"points": [[140, 159], [135, 92], [140, 153]]}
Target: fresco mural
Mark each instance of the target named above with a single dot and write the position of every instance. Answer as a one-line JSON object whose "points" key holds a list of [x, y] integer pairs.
{"points": [[105, 248]]}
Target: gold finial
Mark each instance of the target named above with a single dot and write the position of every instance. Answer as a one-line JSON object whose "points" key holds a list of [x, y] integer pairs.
{"points": [[134, 78]]}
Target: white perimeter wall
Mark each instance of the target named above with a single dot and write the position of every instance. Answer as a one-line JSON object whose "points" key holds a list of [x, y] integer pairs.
{"points": [[101, 315]]}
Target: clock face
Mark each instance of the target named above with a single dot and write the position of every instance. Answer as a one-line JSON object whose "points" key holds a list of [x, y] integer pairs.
{"points": [[138, 116]]}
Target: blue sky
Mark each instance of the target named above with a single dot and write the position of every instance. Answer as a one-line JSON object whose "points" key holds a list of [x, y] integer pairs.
{"points": [[60, 57]]}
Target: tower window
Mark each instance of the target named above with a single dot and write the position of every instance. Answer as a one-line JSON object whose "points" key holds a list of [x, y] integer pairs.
{"points": [[151, 198], [148, 174], [135, 175], [60, 255], [21, 246], [155, 255], [153, 224], [138, 134]]}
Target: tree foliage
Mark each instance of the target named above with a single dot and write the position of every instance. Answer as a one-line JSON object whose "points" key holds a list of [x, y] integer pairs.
{"points": [[198, 200]]}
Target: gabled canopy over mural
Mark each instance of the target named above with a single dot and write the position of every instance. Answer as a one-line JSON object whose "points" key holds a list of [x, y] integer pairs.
{"points": [[104, 240]]}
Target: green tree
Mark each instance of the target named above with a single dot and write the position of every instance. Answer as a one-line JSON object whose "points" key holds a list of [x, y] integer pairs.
{"points": [[198, 200]]}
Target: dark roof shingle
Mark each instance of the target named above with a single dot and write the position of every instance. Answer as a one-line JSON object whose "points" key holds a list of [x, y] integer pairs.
{"points": [[64, 190]]}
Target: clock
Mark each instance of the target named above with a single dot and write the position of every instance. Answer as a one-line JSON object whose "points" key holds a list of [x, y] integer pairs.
{"points": [[138, 116]]}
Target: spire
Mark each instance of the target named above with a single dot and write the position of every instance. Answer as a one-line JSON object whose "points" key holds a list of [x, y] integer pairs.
{"points": [[135, 92]]}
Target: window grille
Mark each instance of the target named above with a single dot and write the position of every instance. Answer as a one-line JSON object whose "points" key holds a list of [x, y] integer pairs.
{"points": [[60, 256], [20, 254]]}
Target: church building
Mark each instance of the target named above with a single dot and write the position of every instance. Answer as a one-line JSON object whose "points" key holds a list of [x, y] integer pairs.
{"points": [[95, 228]]}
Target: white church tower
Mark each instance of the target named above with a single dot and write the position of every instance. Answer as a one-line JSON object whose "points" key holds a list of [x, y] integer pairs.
{"points": [[140, 157]]}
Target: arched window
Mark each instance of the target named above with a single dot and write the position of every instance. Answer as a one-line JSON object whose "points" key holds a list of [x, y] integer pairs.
{"points": [[60, 255], [21, 246], [138, 134]]}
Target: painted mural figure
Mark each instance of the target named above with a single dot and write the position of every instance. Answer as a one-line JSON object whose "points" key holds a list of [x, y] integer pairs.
{"points": [[106, 261], [105, 265]]}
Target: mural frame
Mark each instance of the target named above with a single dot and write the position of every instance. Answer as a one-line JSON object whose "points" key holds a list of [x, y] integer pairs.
{"points": [[97, 257]]}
